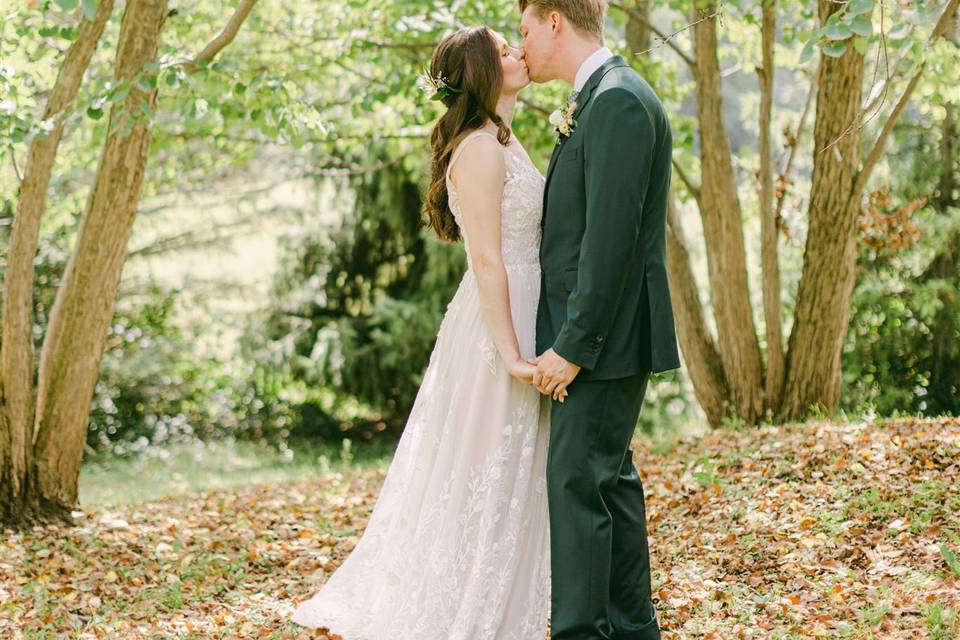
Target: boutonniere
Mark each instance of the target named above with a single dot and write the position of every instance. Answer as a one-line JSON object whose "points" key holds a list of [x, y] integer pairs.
{"points": [[563, 120]]}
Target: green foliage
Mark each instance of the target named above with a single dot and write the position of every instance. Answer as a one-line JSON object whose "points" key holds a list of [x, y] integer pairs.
{"points": [[903, 344], [154, 389], [358, 306], [941, 621], [951, 559]]}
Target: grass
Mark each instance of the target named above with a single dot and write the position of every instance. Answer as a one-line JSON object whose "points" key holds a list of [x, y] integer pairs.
{"points": [[201, 466]]}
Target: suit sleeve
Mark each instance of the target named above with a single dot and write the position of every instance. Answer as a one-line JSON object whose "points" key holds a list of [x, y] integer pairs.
{"points": [[618, 157]]}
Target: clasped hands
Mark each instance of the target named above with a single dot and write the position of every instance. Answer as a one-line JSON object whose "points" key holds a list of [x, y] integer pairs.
{"points": [[549, 373]]}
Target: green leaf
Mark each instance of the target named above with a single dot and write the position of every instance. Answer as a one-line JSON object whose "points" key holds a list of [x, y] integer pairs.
{"points": [[835, 49], [807, 54], [94, 113], [147, 83], [861, 44], [90, 9], [951, 559], [67, 5], [837, 31], [860, 6], [862, 26], [899, 32]]}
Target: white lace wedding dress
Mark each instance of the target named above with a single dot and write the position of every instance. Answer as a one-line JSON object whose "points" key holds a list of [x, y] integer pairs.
{"points": [[457, 545]]}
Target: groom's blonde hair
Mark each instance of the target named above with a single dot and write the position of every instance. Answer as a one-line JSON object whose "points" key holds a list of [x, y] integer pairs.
{"points": [[586, 15]]}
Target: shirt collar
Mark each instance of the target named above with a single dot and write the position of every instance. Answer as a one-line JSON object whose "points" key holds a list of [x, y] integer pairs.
{"points": [[591, 64]]}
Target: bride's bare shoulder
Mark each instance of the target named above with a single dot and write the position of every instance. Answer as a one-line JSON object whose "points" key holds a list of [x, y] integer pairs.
{"points": [[479, 156]]}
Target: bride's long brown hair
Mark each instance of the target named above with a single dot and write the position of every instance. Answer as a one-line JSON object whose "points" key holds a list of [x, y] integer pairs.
{"points": [[468, 60]]}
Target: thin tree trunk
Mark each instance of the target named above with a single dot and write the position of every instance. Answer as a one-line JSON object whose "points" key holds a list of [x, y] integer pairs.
{"points": [[769, 232], [640, 30], [638, 33], [950, 138], [949, 141], [16, 353], [698, 346], [794, 143], [723, 232], [74, 343], [945, 264], [823, 296]]}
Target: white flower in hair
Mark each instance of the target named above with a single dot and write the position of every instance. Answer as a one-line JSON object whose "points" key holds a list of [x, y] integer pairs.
{"points": [[436, 87]]}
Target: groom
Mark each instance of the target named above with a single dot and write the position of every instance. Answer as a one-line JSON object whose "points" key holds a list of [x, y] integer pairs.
{"points": [[604, 322]]}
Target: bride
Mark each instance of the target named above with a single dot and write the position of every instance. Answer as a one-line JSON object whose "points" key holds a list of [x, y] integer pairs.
{"points": [[457, 545]]}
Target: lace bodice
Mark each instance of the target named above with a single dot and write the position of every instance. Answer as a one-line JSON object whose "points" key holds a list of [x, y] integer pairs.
{"points": [[521, 209]]}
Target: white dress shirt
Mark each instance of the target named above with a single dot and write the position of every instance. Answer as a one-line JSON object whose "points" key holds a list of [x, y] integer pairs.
{"points": [[591, 64]]}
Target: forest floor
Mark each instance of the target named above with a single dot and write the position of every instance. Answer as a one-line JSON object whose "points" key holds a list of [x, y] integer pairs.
{"points": [[816, 530]]}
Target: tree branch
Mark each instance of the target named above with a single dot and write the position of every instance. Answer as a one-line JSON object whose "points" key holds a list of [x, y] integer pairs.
{"points": [[694, 189], [13, 161], [664, 39], [222, 39], [794, 144], [877, 149], [536, 107]]}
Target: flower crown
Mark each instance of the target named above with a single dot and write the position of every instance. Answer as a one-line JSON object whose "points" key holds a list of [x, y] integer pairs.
{"points": [[436, 88]]}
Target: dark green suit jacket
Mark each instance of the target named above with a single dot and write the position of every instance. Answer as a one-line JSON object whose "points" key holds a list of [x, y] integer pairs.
{"points": [[604, 298]]}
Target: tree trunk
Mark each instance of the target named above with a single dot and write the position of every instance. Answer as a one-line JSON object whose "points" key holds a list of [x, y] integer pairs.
{"points": [[723, 232], [16, 356], [945, 265], [727, 372], [829, 259], [81, 314], [637, 31], [52, 444], [950, 138], [698, 346], [769, 230]]}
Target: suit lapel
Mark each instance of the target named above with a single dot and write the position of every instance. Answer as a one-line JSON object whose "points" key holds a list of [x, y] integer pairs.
{"points": [[553, 163], [582, 98]]}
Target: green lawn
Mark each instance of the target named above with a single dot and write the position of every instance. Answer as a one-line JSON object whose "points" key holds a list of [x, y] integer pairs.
{"points": [[200, 466]]}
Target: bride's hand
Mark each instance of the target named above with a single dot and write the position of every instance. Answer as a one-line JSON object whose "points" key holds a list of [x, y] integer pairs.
{"points": [[521, 370]]}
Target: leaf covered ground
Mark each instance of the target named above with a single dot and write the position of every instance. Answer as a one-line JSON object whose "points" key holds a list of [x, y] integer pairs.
{"points": [[834, 530]]}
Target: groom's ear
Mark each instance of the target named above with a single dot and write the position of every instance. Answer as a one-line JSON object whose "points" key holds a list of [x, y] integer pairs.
{"points": [[555, 20]]}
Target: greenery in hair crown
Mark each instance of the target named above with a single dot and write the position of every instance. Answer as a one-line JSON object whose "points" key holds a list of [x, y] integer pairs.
{"points": [[436, 87]]}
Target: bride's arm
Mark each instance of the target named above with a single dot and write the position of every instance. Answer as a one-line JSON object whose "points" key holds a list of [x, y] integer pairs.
{"points": [[478, 176]]}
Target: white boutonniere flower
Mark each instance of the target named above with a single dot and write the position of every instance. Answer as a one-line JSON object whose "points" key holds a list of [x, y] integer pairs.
{"points": [[563, 120]]}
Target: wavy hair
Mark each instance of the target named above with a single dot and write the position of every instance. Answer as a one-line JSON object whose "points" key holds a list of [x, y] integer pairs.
{"points": [[468, 60]]}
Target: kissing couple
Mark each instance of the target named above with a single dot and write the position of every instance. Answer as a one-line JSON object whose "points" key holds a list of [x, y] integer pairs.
{"points": [[512, 500]]}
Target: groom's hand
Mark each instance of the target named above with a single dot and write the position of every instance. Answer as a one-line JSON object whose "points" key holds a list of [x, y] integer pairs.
{"points": [[553, 372]]}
